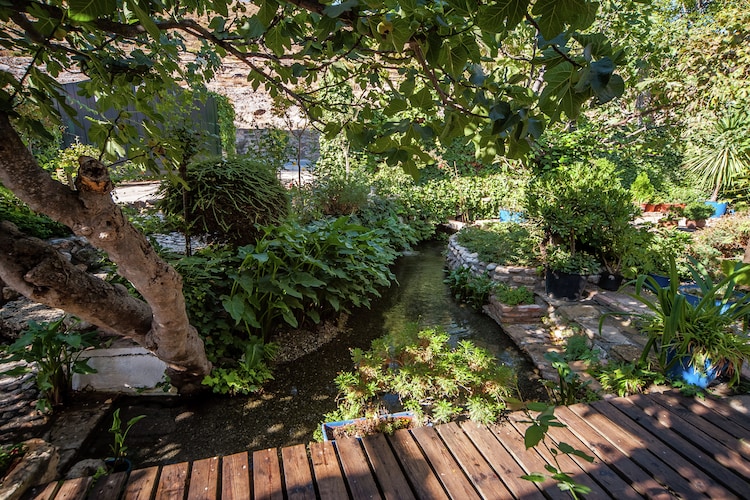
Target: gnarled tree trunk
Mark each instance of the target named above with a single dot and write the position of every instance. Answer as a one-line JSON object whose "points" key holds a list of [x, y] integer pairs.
{"points": [[160, 324]]}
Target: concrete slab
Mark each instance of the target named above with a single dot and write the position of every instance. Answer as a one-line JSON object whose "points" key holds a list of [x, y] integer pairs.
{"points": [[129, 370]]}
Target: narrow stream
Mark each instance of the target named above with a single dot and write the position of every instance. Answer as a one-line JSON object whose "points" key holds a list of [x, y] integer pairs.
{"points": [[292, 406]]}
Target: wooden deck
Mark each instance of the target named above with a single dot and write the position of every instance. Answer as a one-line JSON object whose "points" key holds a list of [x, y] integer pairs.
{"points": [[655, 446]]}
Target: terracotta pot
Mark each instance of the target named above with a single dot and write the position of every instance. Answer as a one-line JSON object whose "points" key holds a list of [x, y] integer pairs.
{"points": [[695, 224]]}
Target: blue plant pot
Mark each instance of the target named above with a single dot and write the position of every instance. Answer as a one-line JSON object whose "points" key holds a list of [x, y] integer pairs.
{"points": [[720, 208], [693, 299], [698, 376], [661, 281], [509, 216], [328, 427]]}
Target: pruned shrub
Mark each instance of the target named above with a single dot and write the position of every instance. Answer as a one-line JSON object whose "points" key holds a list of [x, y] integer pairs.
{"points": [[226, 199]]}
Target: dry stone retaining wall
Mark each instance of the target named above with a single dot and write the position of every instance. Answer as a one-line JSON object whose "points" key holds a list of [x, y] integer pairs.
{"points": [[459, 256]]}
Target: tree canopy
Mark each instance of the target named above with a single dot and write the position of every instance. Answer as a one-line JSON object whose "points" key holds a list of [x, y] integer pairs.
{"points": [[495, 73]]}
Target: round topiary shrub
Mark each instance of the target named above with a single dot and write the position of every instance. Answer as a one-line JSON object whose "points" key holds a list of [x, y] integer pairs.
{"points": [[226, 198]]}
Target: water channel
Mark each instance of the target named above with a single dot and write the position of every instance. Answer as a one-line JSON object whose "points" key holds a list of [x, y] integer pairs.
{"points": [[291, 407]]}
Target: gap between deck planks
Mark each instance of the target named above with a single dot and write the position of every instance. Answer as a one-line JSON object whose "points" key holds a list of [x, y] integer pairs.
{"points": [[647, 446]]}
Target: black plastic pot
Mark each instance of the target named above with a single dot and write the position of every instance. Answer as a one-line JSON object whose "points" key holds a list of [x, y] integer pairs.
{"points": [[560, 285], [611, 282]]}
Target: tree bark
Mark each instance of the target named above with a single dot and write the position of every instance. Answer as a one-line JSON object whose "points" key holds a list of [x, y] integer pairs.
{"points": [[160, 324]]}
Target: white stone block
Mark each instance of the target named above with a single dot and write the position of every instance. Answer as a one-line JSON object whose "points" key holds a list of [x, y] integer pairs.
{"points": [[123, 369]]}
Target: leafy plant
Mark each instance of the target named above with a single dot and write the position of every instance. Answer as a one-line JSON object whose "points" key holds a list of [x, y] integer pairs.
{"points": [[642, 189], [118, 448], [725, 155], [704, 332], [536, 433], [429, 377], [301, 273], [560, 259], [248, 373], [506, 243], [697, 211], [470, 288], [14, 210], [625, 379], [226, 198], [569, 388], [56, 351], [512, 295]]}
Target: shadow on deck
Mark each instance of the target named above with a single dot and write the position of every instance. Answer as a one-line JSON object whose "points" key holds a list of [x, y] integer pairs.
{"points": [[646, 446]]}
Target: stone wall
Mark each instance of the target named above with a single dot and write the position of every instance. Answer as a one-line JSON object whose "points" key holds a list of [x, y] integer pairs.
{"points": [[459, 256]]}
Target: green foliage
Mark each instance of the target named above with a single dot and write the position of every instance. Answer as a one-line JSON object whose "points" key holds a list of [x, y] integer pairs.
{"points": [[386, 216], [470, 288], [536, 433], [642, 189], [560, 259], [269, 145], [227, 199], [697, 211], [240, 360], [580, 205], [706, 331], [626, 379], [667, 244], [8, 455], [227, 130], [726, 238], [119, 450], [29, 222], [56, 351], [295, 274], [248, 373], [429, 376], [513, 295], [569, 388], [504, 243]]}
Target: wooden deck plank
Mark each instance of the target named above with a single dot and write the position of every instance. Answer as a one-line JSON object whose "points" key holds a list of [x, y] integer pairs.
{"points": [[565, 464], [480, 473], [172, 481], [141, 484], [108, 486], [599, 469], [448, 470], [388, 473], [356, 469], [627, 451], [697, 456], [267, 475], [425, 483], [727, 412], [297, 475], [501, 461], [735, 429], [204, 479], [699, 436], [720, 434], [650, 452], [74, 489], [235, 477], [529, 460], [327, 471]]}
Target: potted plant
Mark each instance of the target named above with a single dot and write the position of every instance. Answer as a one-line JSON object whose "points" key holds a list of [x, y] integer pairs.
{"points": [[510, 304], [119, 462], [663, 245], [622, 255], [695, 343], [696, 213], [566, 272]]}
